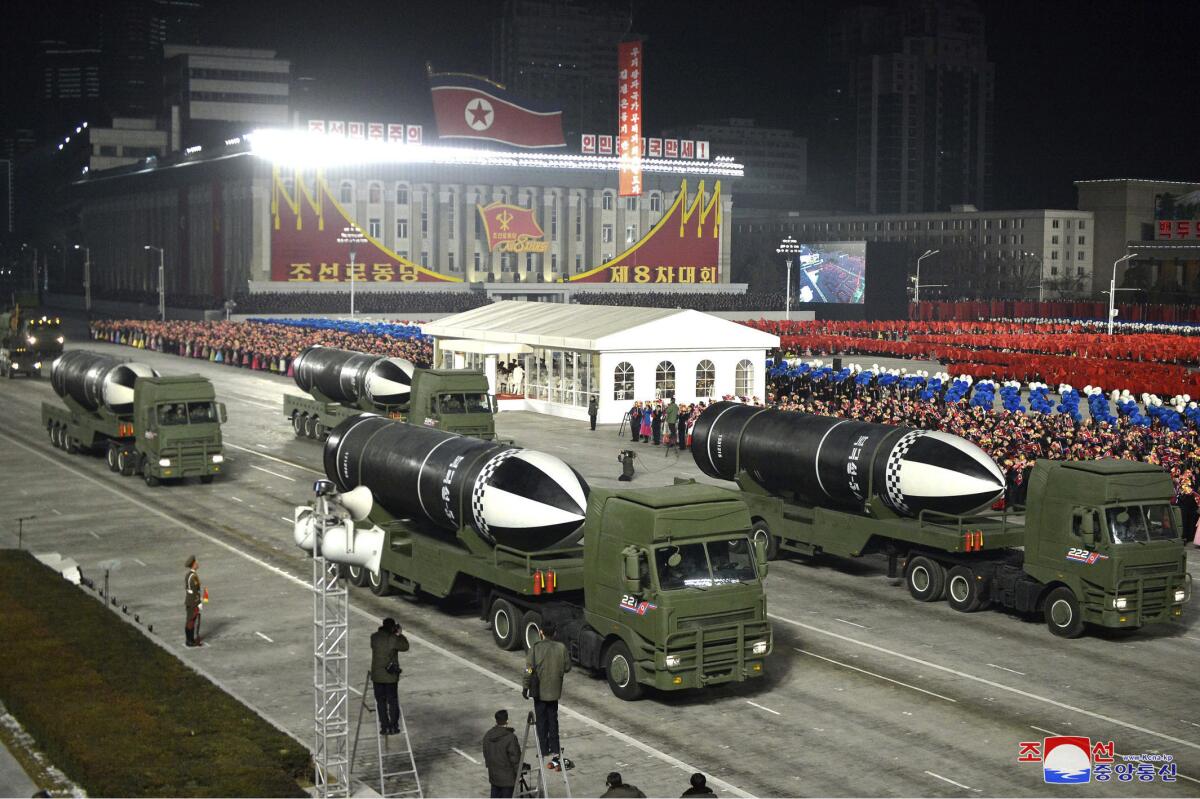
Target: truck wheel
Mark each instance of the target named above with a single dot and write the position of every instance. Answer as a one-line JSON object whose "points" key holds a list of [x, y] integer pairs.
{"points": [[206, 478], [964, 592], [298, 423], [621, 673], [926, 579], [147, 474], [110, 457], [125, 463], [359, 576], [380, 582], [506, 625], [320, 431], [531, 628], [762, 532], [1063, 616], [310, 426]]}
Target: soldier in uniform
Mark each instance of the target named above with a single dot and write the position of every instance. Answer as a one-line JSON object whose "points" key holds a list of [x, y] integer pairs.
{"points": [[191, 602]]}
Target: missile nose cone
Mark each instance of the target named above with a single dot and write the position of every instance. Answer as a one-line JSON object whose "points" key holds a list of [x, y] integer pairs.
{"points": [[389, 382], [936, 471], [529, 500]]}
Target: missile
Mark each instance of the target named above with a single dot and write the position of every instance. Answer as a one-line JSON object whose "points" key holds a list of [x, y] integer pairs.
{"points": [[97, 381], [347, 376], [505, 495], [843, 463]]}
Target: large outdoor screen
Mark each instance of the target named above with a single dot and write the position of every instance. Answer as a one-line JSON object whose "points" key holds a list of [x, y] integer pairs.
{"points": [[832, 271]]}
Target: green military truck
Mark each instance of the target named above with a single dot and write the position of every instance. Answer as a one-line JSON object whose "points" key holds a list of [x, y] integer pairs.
{"points": [[27, 342], [159, 427], [665, 589], [1097, 542], [343, 384]]}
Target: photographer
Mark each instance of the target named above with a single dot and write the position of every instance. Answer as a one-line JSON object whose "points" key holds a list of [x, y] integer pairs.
{"points": [[545, 664], [385, 673]]}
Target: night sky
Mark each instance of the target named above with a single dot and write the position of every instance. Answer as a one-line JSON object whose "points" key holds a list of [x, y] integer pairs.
{"points": [[1083, 89]]}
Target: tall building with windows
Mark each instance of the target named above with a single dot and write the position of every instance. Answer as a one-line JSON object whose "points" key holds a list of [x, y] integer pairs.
{"points": [[132, 35], [70, 87], [563, 53]]}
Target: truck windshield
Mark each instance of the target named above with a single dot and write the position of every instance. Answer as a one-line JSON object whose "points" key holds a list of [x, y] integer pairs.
{"points": [[704, 565], [463, 403], [1141, 523], [173, 413]]}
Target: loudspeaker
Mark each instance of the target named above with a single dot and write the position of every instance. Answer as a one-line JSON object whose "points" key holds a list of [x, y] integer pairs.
{"points": [[358, 502], [887, 281]]}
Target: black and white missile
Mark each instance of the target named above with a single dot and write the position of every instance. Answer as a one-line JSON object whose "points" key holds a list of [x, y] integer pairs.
{"points": [[347, 376], [843, 463], [514, 497], [97, 381]]}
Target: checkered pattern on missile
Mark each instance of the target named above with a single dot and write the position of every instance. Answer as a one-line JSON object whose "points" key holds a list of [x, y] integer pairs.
{"points": [[481, 484], [892, 492]]}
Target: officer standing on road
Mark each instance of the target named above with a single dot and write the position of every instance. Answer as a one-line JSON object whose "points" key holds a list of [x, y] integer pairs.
{"points": [[593, 409], [192, 597], [501, 755], [385, 673], [548, 660]]}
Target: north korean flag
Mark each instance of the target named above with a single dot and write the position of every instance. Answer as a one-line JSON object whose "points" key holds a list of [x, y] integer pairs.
{"points": [[467, 107]]}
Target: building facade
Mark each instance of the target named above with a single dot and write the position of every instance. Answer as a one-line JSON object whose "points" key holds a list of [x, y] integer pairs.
{"points": [[70, 91], [775, 159], [981, 253]]}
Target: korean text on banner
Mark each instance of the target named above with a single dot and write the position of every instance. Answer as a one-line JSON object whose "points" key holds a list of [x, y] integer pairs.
{"points": [[629, 105]]}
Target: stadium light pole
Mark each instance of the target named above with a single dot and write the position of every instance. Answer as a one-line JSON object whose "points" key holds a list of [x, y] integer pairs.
{"points": [[87, 278], [789, 248], [917, 286], [162, 286], [1112, 291]]}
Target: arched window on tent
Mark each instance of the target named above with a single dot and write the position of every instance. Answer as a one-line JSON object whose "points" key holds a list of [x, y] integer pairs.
{"points": [[706, 378], [623, 381], [664, 380]]}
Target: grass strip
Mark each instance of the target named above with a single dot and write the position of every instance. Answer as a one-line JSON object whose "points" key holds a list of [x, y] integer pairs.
{"points": [[119, 714]]}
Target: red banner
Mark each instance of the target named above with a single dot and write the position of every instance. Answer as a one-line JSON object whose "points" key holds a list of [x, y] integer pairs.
{"points": [[511, 228], [684, 247], [306, 224], [470, 107], [629, 129]]}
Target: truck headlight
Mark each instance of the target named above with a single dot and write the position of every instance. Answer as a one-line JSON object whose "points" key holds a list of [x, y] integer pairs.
{"points": [[760, 648], [218, 458], [37, 365], [164, 461], [672, 661], [32, 339], [1180, 594], [1120, 602], [59, 339]]}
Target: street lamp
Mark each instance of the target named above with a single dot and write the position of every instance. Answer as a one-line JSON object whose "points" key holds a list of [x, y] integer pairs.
{"points": [[1041, 273], [162, 286], [917, 287], [1112, 291], [789, 248], [21, 529], [87, 278], [351, 282]]}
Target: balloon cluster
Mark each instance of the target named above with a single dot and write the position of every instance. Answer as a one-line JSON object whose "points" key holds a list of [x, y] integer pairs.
{"points": [[985, 395], [1068, 401], [1039, 398], [1098, 405], [1010, 396], [959, 388]]}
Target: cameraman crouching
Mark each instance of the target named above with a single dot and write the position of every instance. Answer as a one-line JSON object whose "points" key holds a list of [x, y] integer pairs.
{"points": [[385, 673]]}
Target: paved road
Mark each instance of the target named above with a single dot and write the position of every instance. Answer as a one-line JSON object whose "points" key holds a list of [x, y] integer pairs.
{"points": [[868, 693]]}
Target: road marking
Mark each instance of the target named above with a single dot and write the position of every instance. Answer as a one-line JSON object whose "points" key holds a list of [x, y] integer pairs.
{"points": [[138, 562], [1005, 668], [1117, 754], [985, 681], [273, 458], [763, 707], [599, 726], [235, 499], [289, 521], [259, 404], [873, 674], [1194, 724], [464, 754], [277, 474], [952, 782], [1043, 729], [264, 446], [265, 638], [93, 534], [55, 511], [851, 623]]}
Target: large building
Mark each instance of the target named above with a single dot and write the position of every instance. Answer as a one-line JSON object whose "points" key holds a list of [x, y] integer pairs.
{"points": [[230, 219], [70, 87], [563, 53], [132, 35], [775, 160], [911, 91], [1159, 221], [1044, 253]]}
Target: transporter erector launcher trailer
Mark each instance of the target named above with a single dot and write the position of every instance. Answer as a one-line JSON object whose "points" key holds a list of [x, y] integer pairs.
{"points": [[657, 587], [1097, 542]]}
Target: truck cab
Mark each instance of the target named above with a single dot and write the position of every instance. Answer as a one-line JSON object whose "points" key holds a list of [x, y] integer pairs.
{"points": [[178, 428], [27, 343], [1108, 532], [674, 585], [453, 400]]}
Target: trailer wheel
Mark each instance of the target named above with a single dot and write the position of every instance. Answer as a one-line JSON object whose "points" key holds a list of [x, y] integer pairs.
{"points": [[110, 457], [1062, 613], [125, 463], [320, 431], [359, 576], [964, 592], [147, 473], [380, 582], [310, 426], [926, 579], [531, 628], [760, 531], [297, 423], [506, 624], [621, 673]]}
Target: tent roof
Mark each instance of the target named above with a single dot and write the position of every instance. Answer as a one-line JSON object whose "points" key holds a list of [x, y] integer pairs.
{"points": [[599, 327]]}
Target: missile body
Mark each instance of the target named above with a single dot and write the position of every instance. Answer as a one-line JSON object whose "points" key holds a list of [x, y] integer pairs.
{"points": [[514, 497], [97, 381], [838, 462], [351, 377]]}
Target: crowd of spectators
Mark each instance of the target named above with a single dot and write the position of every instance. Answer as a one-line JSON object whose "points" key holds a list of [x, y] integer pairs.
{"points": [[266, 345], [375, 302]]}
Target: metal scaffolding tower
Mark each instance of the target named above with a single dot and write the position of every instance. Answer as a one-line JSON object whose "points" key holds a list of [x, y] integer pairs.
{"points": [[331, 664]]}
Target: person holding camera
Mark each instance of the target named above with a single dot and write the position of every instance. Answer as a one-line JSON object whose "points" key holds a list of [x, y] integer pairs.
{"points": [[385, 674], [545, 665]]}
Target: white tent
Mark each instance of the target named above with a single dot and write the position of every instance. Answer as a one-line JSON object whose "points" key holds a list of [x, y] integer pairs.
{"points": [[569, 353]]}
